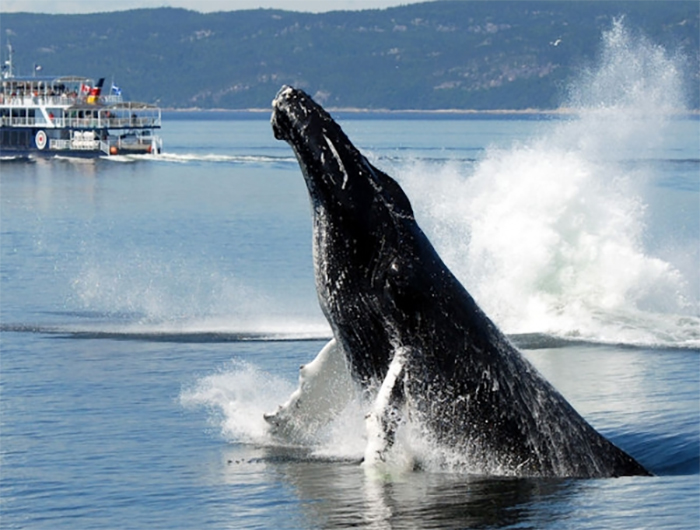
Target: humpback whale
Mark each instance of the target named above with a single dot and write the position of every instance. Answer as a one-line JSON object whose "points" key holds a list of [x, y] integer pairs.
{"points": [[408, 334]]}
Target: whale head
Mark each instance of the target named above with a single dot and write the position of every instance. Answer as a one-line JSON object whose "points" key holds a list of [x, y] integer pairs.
{"points": [[336, 173]]}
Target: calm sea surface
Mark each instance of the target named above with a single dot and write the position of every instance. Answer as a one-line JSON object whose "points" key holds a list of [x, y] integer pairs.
{"points": [[153, 309]]}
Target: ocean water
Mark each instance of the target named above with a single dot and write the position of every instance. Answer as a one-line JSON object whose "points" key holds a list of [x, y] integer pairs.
{"points": [[152, 309]]}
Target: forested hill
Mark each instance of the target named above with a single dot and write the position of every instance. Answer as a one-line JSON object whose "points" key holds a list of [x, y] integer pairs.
{"points": [[433, 55]]}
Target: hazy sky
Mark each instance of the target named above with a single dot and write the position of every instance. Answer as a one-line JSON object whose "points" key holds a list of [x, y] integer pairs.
{"points": [[90, 6]]}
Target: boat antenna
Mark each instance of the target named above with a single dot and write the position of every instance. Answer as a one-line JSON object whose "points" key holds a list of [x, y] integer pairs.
{"points": [[7, 72]]}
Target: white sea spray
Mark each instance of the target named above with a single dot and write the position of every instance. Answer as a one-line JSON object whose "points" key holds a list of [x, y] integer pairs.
{"points": [[548, 234]]}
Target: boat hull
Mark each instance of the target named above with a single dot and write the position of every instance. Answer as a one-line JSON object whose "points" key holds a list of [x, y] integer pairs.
{"points": [[18, 142]]}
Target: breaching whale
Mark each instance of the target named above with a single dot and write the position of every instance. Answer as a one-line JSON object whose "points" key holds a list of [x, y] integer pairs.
{"points": [[409, 334]]}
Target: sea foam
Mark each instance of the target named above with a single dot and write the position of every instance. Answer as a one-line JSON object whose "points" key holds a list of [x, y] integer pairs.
{"points": [[548, 234]]}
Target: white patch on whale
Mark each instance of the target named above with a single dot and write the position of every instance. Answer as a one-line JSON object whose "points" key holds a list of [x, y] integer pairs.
{"points": [[341, 166], [325, 389]]}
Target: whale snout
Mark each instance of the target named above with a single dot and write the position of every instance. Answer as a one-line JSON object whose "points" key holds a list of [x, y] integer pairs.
{"points": [[281, 122], [291, 111], [280, 125], [284, 94]]}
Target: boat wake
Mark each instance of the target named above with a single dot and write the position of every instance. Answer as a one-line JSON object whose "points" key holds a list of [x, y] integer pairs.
{"points": [[192, 158], [285, 162], [5, 159]]}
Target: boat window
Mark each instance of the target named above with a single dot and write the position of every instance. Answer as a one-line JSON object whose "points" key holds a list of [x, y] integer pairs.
{"points": [[14, 138]]}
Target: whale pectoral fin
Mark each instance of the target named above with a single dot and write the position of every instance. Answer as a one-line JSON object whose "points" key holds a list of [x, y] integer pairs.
{"points": [[325, 388], [386, 415]]}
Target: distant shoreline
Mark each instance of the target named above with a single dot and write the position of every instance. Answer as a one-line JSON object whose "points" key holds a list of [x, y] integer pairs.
{"points": [[408, 113], [350, 110]]}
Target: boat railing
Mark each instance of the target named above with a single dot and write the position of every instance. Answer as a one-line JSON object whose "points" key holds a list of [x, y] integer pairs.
{"points": [[86, 141], [128, 122], [59, 144], [18, 121], [61, 100], [110, 100], [100, 122]]}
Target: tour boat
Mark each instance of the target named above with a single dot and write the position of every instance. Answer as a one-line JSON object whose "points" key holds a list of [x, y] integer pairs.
{"points": [[71, 116]]}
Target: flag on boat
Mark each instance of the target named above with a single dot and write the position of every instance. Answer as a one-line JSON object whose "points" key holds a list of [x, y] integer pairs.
{"points": [[95, 91], [116, 90]]}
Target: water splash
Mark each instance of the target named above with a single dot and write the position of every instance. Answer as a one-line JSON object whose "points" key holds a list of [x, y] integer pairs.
{"points": [[158, 290], [633, 75], [143, 295], [240, 395], [548, 235]]}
